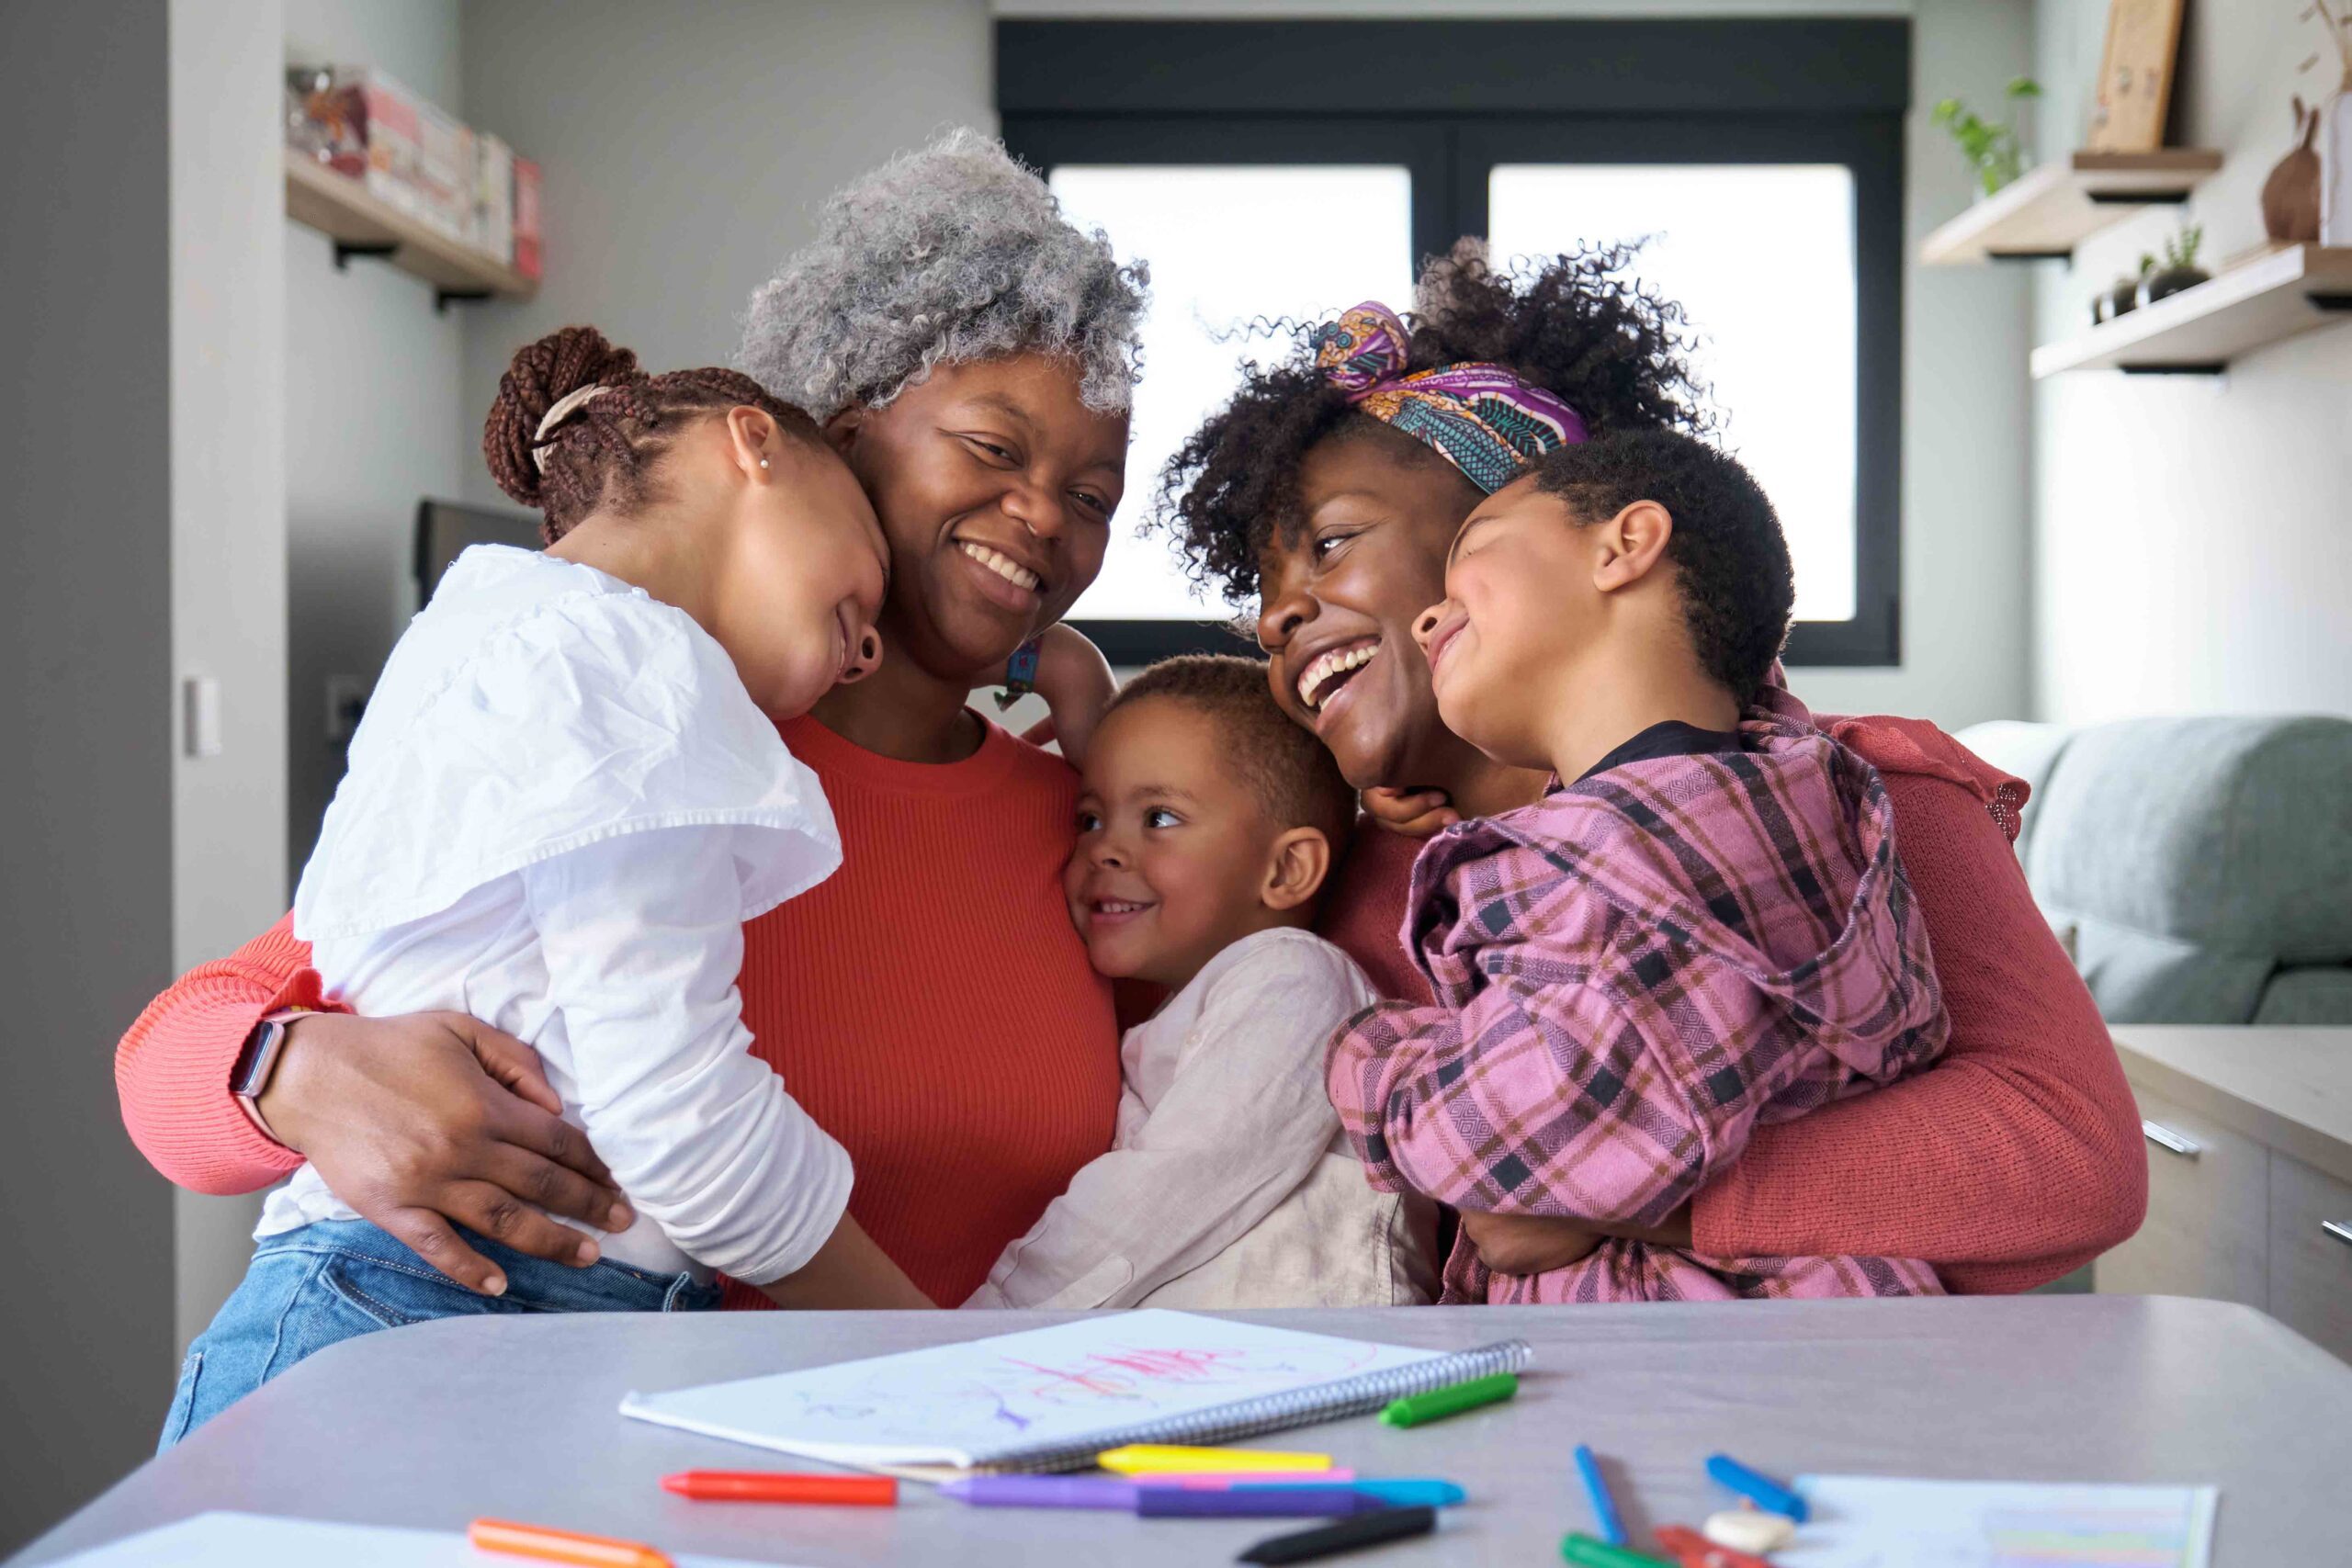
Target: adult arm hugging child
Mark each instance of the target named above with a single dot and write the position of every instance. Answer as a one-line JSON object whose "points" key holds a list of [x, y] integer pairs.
{"points": [[1702, 926], [567, 796]]}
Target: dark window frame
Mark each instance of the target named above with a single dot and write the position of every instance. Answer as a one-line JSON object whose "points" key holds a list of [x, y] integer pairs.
{"points": [[1700, 90]]}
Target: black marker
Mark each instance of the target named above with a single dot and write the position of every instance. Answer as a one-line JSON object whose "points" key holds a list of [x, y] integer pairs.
{"points": [[1364, 1529]]}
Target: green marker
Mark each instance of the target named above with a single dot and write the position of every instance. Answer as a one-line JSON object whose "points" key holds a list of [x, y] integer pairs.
{"points": [[1587, 1553], [1416, 1409]]}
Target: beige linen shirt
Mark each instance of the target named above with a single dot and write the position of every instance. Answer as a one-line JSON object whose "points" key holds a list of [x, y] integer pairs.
{"points": [[1229, 1184]]}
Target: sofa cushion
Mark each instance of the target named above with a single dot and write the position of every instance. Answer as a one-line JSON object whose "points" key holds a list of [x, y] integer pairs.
{"points": [[2312, 995], [2232, 835]]}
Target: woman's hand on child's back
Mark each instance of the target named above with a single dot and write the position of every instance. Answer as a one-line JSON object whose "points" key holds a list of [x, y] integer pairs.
{"points": [[1410, 813], [1528, 1244], [437, 1119]]}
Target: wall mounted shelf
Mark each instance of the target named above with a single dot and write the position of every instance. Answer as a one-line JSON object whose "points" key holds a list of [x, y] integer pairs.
{"points": [[362, 225], [2201, 329], [2045, 213]]}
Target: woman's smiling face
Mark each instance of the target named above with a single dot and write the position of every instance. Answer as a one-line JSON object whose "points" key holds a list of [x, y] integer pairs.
{"points": [[1378, 512], [995, 485]]}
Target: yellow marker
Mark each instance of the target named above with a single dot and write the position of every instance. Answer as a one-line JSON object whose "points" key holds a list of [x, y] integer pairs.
{"points": [[1151, 1459]]}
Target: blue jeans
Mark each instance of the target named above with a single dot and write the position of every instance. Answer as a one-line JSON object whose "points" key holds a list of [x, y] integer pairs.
{"points": [[315, 1286]]}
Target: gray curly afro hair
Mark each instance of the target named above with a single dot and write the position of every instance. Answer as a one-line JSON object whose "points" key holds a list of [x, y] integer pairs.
{"points": [[950, 254]]}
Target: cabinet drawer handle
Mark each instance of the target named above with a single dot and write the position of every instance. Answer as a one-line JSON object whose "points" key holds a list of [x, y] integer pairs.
{"points": [[2169, 1141], [2338, 1229]]}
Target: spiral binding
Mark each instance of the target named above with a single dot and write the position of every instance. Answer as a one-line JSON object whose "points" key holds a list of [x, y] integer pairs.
{"points": [[1273, 1411]]}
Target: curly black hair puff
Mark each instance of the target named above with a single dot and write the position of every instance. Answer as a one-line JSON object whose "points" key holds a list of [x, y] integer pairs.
{"points": [[1578, 324]]}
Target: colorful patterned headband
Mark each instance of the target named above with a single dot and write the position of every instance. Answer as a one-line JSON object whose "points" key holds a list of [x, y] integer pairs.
{"points": [[1481, 418]]}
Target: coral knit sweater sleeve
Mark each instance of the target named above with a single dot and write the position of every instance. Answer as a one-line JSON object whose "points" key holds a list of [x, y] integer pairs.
{"points": [[929, 1005], [2016, 1157]]}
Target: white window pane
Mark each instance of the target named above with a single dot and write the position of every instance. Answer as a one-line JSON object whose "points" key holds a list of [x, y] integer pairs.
{"points": [[1226, 245], [1762, 259]]}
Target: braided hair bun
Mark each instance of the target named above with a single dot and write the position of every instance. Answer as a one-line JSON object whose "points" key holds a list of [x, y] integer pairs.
{"points": [[599, 454]]}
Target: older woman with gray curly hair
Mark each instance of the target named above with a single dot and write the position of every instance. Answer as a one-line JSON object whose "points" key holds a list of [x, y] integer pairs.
{"points": [[971, 355]]}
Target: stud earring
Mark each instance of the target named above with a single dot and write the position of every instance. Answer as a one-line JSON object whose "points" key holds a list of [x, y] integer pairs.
{"points": [[763, 462]]}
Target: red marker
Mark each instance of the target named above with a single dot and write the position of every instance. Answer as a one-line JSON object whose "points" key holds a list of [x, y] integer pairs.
{"points": [[781, 1486], [1692, 1550]]}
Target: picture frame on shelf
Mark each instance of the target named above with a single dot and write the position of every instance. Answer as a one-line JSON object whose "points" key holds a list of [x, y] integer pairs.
{"points": [[2135, 75]]}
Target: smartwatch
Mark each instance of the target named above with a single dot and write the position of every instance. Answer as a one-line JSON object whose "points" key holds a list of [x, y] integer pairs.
{"points": [[259, 1061]]}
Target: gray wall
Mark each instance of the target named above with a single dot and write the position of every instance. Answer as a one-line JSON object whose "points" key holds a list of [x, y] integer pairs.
{"points": [[2192, 538], [86, 786], [683, 150], [372, 381]]}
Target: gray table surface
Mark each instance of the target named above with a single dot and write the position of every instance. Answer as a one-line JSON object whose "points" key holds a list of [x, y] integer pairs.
{"points": [[435, 1424]]}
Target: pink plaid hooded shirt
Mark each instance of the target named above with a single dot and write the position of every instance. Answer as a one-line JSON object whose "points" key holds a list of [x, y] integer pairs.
{"points": [[1629, 974]]}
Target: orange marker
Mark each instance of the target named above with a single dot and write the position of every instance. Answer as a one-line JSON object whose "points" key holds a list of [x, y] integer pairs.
{"points": [[563, 1546], [782, 1487]]}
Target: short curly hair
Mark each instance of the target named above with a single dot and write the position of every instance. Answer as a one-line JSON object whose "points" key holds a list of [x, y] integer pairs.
{"points": [[950, 254], [1578, 324], [1730, 557], [1294, 778]]}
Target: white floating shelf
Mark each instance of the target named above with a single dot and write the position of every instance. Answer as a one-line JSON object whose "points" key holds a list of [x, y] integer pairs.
{"points": [[343, 210], [2201, 329], [2046, 212]]}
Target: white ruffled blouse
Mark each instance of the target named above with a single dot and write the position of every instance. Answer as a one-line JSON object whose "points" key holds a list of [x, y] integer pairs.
{"points": [[561, 810]]}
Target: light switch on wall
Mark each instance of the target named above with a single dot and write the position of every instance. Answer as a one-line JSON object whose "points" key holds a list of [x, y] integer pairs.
{"points": [[200, 715]]}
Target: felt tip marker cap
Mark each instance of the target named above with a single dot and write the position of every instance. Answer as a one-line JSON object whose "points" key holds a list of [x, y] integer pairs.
{"points": [[1596, 1488], [1439, 1402], [1587, 1553], [1348, 1535], [781, 1486], [1761, 1489], [562, 1546], [1155, 1458], [1246, 1478]]}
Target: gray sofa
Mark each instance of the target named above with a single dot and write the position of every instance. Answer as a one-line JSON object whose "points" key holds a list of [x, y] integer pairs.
{"points": [[2200, 870]]}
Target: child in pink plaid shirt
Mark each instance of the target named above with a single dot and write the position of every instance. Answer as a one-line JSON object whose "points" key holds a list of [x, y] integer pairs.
{"points": [[1704, 927]]}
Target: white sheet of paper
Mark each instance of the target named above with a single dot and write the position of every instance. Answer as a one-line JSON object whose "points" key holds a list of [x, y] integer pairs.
{"points": [[1865, 1521], [264, 1540], [1065, 1384]]}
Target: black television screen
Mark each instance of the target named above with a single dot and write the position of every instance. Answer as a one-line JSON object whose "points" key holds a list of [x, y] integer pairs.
{"points": [[444, 528]]}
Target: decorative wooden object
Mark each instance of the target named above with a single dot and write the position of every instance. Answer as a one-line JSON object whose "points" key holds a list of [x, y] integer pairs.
{"points": [[2049, 210], [2199, 330], [2135, 75], [2291, 195]]}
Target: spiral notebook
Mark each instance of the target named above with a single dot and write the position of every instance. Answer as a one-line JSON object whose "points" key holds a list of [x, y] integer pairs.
{"points": [[1050, 1399]]}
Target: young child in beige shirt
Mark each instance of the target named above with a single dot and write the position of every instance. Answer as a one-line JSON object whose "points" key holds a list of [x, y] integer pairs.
{"points": [[1206, 830]]}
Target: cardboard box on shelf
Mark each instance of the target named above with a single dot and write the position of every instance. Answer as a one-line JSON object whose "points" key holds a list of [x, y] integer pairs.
{"points": [[527, 238], [494, 198]]}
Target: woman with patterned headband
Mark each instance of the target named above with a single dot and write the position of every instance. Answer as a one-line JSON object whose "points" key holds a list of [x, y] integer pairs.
{"points": [[1329, 491]]}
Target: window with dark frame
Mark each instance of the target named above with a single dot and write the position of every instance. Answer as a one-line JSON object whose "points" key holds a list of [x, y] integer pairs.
{"points": [[1281, 164]]}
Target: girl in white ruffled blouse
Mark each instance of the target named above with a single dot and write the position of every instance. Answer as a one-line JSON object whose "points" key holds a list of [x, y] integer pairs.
{"points": [[566, 797]]}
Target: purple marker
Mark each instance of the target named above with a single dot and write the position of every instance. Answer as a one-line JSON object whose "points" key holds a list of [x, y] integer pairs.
{"points": [[1286, 1502], [1043, 1492]]}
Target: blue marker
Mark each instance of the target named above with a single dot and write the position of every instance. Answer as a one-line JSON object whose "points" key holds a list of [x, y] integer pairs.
{"points": [[1604, 1506], [1762, 1490], [1393, 1494]]}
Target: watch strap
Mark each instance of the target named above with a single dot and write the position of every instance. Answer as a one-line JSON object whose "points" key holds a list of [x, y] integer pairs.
{"points": [[257, 1064]]}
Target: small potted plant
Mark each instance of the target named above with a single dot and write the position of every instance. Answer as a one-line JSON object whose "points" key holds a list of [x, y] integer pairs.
{"points": [[1996, 152], [2180, 269], [2123, 298]]}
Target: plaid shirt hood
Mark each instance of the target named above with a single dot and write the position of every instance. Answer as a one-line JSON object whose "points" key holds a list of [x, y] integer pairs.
{"points": [[1628, 977]]}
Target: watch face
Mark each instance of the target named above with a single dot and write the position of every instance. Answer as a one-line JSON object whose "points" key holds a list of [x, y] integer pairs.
{"points": [[254, 1058]]}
